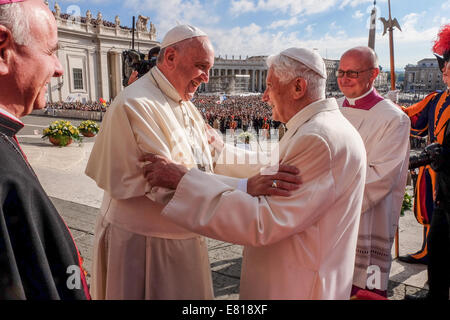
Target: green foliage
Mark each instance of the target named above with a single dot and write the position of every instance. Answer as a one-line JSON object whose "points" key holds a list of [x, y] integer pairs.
{"points": [[89, 126], [245, 136], [407, 203], [63, 130]]}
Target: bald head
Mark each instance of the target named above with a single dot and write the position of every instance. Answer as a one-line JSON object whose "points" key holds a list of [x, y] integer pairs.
{"points": [[358, 69], [367, 57]]}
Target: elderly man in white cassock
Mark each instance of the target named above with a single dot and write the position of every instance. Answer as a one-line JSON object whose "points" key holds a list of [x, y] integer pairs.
{"points": [[296, 247], [384, 129], [138, 253]]}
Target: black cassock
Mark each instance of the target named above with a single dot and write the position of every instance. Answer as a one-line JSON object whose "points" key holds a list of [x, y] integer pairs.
{"points": [[38, 257]]}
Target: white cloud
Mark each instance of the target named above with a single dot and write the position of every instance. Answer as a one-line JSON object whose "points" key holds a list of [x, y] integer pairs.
{"points": [[333, 25], [410, 33], [446, 5], [283, 23], [444, 20], [440, 20], [264, 39], [358, 15], [171, 12], [291, 7], [355, 3], [241, 6], [253, 40], [310, 28]]}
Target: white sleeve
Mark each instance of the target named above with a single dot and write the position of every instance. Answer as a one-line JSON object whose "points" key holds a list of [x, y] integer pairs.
{"points": [[210, 207]]}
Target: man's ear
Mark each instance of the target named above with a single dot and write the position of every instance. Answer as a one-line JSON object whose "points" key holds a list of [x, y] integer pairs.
{"points": [[169, 57], [5, 47], [299, 88], [375, 73]]}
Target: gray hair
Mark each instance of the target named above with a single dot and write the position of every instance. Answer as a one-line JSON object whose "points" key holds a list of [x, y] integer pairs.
{"points": [[12, 17], [287, 69]]}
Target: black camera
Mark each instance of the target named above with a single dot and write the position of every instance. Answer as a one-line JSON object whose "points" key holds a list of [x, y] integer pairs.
{"points": [[134, 60], [432, 155]]}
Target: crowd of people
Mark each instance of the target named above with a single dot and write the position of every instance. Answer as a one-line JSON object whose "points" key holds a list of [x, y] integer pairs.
{"points": [[81, 106], [236, 112], [233, 112], [248, 112]]}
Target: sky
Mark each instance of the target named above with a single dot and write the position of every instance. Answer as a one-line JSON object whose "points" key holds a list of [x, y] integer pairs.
{"points": [[263, 27]]}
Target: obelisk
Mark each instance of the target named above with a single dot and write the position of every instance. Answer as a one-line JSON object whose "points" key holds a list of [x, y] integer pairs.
{"points": [[373, 26]]}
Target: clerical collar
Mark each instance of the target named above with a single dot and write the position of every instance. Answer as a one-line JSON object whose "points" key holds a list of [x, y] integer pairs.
{"points": [[166, 87], [9, 124], [364, 102], [10, 115], [309, 111]]}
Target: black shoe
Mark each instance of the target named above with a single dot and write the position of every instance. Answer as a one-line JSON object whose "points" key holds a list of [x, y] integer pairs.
{"points": [[411, 297], [409, 259]]}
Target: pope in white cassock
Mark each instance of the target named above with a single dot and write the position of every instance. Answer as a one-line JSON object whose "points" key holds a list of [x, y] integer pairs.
{"points": [[138, 253], [296, 247], [384, 129]]}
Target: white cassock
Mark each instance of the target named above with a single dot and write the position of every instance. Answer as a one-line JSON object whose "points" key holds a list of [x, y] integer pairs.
{"points": [[138, 253], [302, 246], [385, 130]]}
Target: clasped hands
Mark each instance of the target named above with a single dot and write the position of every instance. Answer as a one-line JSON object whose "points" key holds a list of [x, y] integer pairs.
{"points": [[160, 171]]}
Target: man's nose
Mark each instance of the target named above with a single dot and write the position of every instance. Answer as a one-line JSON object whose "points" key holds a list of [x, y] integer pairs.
{"points": [[59, 71], [265, 96], [205, 76]]}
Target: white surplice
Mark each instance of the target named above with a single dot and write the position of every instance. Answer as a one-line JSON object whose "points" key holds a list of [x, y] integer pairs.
{"points": [[385, 132], [302, 246]]}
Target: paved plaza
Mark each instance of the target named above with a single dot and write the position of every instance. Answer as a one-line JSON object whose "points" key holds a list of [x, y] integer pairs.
{"points": [[77, 198]]}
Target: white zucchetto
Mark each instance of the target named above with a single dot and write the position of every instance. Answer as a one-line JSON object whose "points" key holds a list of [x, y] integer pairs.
{"points": [[309, 58], [180, 33]]}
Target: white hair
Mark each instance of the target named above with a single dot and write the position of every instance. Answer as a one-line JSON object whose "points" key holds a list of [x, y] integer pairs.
{"points": [[12, 17], [287, 69]]}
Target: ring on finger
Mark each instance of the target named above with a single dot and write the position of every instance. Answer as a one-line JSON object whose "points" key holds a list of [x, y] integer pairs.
{"points": [[274, 184]]}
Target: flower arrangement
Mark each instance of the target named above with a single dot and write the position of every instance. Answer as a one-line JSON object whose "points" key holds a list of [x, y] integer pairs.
{"points": [[61, 133], [246, 136], [88, 128], [407, 203]]}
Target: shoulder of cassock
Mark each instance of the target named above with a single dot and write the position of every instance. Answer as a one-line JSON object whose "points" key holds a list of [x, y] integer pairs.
{"points": [[138, 121]]}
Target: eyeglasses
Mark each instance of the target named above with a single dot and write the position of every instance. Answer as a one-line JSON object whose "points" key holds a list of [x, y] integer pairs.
{"points": [[350, 73]]}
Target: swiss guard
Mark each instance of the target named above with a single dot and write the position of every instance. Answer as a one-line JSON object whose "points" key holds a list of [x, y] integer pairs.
{"points": [[430, 117]]}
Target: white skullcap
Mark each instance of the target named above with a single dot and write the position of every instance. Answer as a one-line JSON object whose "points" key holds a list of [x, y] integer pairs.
{"points": [[309, 58], [180, 33]]}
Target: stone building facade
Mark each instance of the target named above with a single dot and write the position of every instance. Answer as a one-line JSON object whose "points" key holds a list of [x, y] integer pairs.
{"points": [[423, 77], [331, 66], [91, 55], [381, 82], [225, 70], [226, 74]]}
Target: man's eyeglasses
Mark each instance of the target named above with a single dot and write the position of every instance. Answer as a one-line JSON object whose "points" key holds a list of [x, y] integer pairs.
{"points": [[350, 73]]}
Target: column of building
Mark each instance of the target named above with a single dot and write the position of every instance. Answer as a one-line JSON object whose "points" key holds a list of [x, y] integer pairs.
{"points": [[103, 78]]}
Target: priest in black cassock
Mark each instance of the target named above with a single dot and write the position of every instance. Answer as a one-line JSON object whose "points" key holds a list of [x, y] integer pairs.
{"points": [[38, 257]]}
